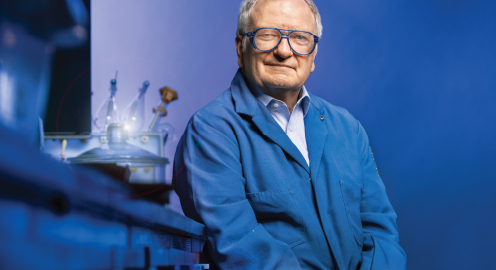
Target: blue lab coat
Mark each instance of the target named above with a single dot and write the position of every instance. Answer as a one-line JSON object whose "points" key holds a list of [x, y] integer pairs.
{"points": [[237, 172]]}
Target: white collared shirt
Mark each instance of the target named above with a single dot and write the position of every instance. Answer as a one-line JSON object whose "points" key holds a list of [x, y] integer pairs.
{"points": [[292, 124]]}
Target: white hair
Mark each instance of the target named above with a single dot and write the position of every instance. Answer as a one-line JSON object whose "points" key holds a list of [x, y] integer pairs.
{"points": [[247, 7]]}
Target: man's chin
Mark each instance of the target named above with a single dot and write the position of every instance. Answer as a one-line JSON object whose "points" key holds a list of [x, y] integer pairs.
{"points": [[280, 80], [281, 84]]}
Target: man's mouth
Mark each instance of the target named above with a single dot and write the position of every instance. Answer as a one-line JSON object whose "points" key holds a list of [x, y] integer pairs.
{"points": [[279, 66]]}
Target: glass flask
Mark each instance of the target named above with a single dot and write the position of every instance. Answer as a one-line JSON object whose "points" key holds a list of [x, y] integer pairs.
{"points": [[107, 113], [135, 111]]}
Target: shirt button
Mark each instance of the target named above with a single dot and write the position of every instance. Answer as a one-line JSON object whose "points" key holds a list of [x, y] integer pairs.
{"points": [[276, 105], [291, 129]]}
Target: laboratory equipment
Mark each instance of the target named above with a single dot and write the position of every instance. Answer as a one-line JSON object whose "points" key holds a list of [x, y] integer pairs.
{"points": [[167, 130], [152, 142], [77, 144], [146, 168], [167, 95], [107, 112], [62, 217], [58, 216], [62, 153], [135, 111]]}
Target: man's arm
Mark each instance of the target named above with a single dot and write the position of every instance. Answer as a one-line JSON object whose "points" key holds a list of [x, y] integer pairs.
{"points": [[209, 181], [381, 249]]}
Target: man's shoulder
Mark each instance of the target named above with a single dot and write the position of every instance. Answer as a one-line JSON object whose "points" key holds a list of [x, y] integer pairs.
{"points": [[337, 114]]}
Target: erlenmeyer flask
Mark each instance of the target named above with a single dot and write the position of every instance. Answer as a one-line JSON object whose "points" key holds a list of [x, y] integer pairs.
{"points": [[135, 111], [107, 113]]}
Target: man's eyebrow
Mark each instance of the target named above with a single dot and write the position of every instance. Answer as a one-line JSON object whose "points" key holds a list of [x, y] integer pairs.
{"points": [[268, 26]]}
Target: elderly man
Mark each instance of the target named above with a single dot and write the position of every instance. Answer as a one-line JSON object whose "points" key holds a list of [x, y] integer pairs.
{"points": [[281, 178]]}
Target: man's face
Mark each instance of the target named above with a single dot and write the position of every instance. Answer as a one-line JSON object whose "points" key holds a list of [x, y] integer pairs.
{"points": [[279, 70]]}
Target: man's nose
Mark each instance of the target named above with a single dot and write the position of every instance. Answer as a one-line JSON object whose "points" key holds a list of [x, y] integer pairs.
{"points": [[283, 50]]}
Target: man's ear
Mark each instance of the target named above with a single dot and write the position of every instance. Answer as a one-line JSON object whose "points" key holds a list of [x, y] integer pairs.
{"points": [[314, 55], [239, 49]]}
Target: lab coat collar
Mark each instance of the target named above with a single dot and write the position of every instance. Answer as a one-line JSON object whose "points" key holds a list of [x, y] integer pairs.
{"points": [[246, 103]]}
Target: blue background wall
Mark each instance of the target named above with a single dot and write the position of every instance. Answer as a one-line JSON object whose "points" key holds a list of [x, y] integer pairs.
{"points": [[419, 75]]}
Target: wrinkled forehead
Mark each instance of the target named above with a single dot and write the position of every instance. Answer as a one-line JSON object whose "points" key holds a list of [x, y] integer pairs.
{"points": [[285, 14]]}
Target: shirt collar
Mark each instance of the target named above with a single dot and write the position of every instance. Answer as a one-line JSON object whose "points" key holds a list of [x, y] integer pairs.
{"points": [[304, 100], [246, 103]]}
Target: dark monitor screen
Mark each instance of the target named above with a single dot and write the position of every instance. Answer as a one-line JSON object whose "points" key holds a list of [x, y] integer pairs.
{"points": [[69, 103]]}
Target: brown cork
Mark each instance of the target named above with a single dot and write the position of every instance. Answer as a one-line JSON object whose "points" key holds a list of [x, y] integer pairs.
{"points": [[168, 94]]}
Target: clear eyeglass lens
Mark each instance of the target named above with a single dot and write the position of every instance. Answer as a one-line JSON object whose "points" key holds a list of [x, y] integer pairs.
{"points": [[301, 42], [266, 39]]}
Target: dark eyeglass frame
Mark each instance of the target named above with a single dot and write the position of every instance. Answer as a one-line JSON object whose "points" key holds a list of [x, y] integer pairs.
{"points": [[251, 36]]}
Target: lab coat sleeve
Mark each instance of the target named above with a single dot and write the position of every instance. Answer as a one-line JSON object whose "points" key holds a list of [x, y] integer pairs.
{"points": [[381, 249], [209, 181]]}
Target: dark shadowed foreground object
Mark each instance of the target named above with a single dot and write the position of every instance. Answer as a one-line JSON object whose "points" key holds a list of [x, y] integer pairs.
{"points": [[158, 193], [59, 217]]}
